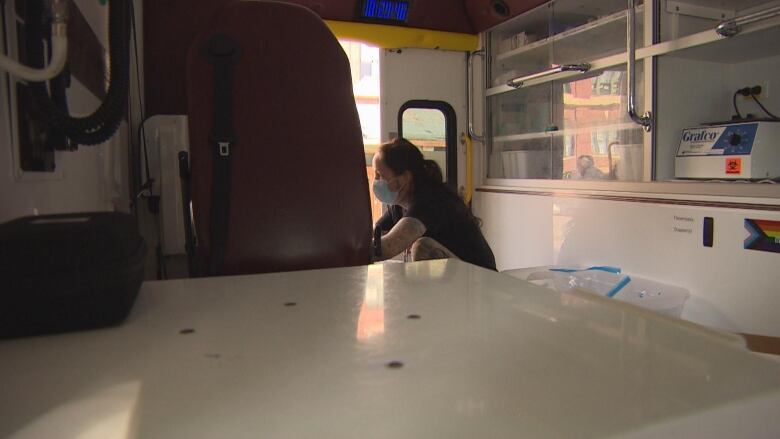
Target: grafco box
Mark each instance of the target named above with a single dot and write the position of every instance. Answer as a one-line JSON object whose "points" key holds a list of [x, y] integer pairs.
{"points": [[735, 151]]}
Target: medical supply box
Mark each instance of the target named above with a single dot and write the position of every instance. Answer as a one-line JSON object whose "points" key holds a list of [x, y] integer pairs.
{"points": [[68, 272]]}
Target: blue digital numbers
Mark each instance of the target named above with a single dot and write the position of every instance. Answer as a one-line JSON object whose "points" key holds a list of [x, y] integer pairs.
{"points": [[386, 10]]}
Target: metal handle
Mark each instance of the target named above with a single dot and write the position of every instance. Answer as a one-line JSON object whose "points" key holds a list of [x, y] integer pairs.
{"points": [[733, 26], [470, 94], [645, 120], [519, 82]]}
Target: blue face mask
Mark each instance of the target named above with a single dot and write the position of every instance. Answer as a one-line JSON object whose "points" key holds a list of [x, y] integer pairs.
{"points": [[383, 192]]}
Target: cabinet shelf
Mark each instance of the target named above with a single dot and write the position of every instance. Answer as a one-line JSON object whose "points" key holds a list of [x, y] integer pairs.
{"points": [[596, 28], [527, 49], [564, 132], [748, 46], [756, 41], [602, 26]]}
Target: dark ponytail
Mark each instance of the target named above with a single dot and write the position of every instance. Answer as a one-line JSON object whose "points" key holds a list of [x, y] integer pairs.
{"points": [[432, 171]]}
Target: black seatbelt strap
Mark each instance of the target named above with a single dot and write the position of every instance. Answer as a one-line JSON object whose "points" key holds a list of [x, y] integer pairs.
{"points": [[223, 53]]}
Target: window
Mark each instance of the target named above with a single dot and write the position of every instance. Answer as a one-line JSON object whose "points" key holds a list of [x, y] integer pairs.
{"points": [[431, 126], [364, 66]]}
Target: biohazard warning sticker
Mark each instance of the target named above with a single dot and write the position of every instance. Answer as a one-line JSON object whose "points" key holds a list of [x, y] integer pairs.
{"points": [[733, 165], [764, 235]]}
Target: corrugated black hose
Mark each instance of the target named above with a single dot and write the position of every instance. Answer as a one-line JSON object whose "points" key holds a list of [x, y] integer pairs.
{"points": [[103, 123]]}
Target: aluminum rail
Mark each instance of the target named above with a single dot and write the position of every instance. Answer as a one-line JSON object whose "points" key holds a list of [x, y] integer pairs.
{"points": [[520, 81], [470, 94], [733, 26], [645, 120]]}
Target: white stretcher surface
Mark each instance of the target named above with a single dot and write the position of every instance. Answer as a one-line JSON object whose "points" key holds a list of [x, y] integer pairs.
{"points": [[489, 356]]}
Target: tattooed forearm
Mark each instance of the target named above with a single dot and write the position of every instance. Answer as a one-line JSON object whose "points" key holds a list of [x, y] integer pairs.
{"points": [[401, 236]]}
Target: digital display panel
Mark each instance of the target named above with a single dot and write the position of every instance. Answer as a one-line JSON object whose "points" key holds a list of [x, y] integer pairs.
{"points": [[396, 11]]}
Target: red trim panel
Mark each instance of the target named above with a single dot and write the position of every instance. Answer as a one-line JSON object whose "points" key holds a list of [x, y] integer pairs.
{"points": [[668, 201]]}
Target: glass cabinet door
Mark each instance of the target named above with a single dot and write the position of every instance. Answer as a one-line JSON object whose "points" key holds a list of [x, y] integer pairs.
{"points": [[584, 31], [520, 46], [564, 126], [599, 140], [520, 126], [577, 129]]}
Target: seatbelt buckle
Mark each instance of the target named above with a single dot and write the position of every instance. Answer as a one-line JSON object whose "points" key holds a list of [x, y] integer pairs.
{"points": [[223, 144], [224, 148]]}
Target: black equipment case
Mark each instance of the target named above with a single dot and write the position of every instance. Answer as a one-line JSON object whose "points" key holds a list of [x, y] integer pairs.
{"points": [[68, 272]]}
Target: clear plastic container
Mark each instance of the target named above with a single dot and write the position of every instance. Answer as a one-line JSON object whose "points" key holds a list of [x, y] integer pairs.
{"points": [[657, 296], [663, 298]]}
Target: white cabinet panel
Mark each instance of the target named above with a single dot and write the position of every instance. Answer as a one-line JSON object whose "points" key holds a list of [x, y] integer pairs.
{"points": [[732, 288]]}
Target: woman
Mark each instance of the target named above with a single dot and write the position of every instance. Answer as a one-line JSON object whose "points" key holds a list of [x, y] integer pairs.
{"points": [[425, 215]]}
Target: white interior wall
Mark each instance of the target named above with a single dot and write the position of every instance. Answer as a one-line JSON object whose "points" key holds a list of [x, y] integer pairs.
{"points": [[763, 72], [732, 288], [90, 179], [518, 228], [427, 74]]}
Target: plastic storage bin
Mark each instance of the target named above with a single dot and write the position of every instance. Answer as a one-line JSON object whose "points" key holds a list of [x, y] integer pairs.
{"points": [[650, 294]]}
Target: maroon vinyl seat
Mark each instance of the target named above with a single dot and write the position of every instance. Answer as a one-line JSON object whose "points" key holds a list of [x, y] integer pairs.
{"points": [[298, 196]]}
